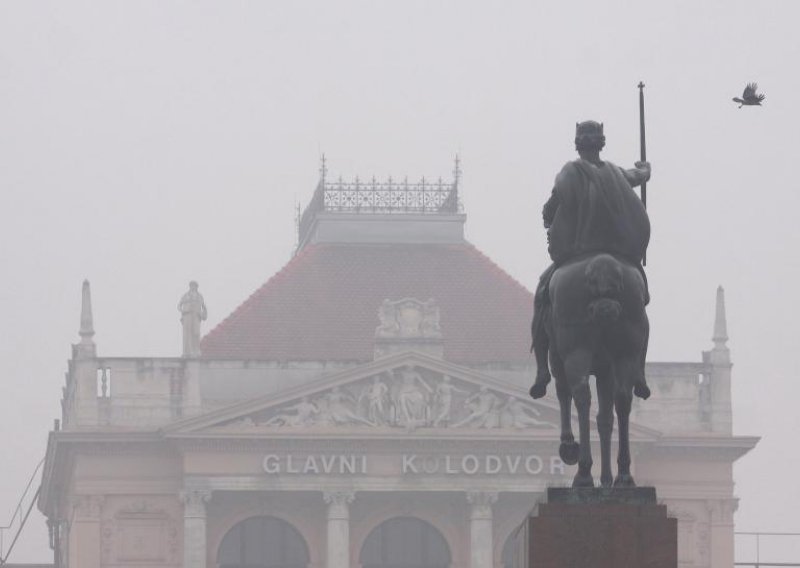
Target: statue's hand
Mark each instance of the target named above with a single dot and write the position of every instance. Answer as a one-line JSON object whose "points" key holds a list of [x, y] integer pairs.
{"points": [[644, 168]]}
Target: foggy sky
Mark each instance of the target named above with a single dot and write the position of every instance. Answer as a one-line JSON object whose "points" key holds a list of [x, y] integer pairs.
{"points": [[144, 144]]}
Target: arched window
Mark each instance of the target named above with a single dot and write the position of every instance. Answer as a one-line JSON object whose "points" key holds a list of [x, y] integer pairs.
{"points": [[263, 542], [405, 542]]}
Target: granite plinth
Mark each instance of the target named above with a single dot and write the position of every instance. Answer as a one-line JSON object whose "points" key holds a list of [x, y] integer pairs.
{"points": [[600, 528]]}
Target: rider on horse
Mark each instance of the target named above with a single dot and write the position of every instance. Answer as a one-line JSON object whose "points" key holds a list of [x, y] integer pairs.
{"points": [[592, 209]]}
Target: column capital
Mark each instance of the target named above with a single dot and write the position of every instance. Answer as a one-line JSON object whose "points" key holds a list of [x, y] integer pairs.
{"points": [[339, 498], [338, 503], [481, 502], [194, 502]]}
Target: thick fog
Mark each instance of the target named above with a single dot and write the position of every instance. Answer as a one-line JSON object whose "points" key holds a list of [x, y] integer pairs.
{"points": [[145, 144]]}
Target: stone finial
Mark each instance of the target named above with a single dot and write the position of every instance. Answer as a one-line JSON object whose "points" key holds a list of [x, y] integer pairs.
{"points": [[720, 322], [86, 348], [87, 322]]}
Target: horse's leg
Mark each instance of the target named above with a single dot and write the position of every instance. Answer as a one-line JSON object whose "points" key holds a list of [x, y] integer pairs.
{"points": [[640, 387], [568, 450], [577, 366], [605, 421], [627, 372]]}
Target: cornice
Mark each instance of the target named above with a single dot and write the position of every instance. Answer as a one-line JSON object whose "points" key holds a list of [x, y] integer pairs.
{"points": [[709, 448]]}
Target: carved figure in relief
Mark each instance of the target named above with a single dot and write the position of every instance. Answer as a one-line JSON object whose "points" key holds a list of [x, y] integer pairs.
{"points": [[304, 414], [339, 412], [389, 326], [482, 410], [408, 318], [193, 311], [410, 401], [376, 395], [431, 318], [444, 401], [516, 414]]}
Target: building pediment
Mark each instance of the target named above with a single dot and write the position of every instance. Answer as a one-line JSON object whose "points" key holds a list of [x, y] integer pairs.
{"points": [[402, 393]]}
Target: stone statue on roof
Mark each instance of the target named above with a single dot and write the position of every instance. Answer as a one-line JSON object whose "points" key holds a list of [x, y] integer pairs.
{"points": [[193, 311]]}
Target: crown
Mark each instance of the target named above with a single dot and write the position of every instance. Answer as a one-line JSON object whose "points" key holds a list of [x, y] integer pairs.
{"points": [[588, 128], [589, 135]]}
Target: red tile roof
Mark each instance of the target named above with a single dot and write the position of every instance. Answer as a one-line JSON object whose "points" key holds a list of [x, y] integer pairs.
{"points": [[323, 305]]}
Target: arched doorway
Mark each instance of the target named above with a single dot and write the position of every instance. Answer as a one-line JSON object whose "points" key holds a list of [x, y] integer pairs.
{"points": [[405, 542], [263, 542]]}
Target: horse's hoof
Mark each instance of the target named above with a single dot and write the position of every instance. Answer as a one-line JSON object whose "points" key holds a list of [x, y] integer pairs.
{"points": [[568, 451], [641, 390], [606, 481], [538, 390], [582, 481], [624, 480]]}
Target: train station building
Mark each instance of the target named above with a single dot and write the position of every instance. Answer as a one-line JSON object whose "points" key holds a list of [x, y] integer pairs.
{"points": [[366, 407]]}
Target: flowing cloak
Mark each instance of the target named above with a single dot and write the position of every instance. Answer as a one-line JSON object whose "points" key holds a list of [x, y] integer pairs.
{"points": [[593, 208]]}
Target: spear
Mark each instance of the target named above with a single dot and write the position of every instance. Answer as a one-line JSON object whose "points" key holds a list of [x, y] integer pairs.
{"points": [[642, 147]]}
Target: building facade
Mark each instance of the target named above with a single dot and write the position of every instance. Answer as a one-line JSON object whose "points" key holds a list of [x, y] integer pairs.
{"points": [[366, 407]]}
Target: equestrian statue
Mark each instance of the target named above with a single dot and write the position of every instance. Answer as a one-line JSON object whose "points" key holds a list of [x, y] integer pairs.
{"points": [[589, 307]]}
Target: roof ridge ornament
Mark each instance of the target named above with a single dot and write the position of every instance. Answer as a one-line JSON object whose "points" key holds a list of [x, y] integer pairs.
{"points": [[323, 169], [457, 170], [429, 197]]}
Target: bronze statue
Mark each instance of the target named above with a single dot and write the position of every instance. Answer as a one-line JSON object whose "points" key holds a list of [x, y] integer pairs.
{"points": [[589, 307]]}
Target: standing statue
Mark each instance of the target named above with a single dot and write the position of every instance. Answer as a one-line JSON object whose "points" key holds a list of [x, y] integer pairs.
{"points": [[193, 311], [444, 400], [589, 307], [376, 395]]}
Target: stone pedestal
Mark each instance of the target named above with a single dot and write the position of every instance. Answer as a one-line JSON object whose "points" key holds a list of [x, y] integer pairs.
{"points": [[599, 528]]}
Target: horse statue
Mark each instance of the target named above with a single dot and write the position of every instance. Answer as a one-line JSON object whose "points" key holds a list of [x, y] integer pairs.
{"points": [[597, 326]]}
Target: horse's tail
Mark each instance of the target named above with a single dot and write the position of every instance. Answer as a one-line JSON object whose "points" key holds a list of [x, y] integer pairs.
{"points": [[603, 277]]}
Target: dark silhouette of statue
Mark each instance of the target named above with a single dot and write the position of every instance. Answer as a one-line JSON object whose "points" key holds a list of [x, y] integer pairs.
{"points": [[589, 306], [592, 208]]}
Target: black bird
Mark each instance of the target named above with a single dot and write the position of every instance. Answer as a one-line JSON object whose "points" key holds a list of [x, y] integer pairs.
{"points": [[749, 97]]}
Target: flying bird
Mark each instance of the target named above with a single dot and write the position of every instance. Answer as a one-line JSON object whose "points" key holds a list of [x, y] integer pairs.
{"points": [[749, 97]]}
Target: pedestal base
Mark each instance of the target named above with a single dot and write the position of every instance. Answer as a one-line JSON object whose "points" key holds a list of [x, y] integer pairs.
{"points": [[599, 528]]}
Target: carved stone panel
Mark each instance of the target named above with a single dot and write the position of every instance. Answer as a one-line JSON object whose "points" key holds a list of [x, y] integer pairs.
{"points": [[409, 318], [407, 397], [140, 532]]}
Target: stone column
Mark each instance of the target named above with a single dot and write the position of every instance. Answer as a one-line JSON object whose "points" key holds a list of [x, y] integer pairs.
{"points": [[481, 528], [338, 551], [195, 549]]}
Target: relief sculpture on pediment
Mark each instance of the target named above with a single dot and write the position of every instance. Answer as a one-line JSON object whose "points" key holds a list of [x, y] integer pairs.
{"points": [[406, 397]]}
